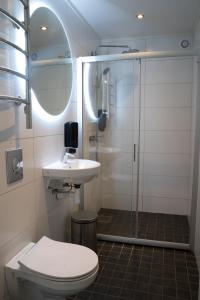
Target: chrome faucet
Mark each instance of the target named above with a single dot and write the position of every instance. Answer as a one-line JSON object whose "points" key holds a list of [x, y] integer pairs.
{"points": [[67, 155]]}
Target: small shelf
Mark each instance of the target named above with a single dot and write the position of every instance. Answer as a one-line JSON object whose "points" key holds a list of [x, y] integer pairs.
{"points": [[14, 43], [51, 62]]}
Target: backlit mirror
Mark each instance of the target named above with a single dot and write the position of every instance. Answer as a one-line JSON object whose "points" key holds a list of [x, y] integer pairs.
{"points": [[51, 62]]}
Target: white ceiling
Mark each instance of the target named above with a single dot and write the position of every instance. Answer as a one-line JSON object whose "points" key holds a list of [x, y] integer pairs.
{"points": [[117, 18]]}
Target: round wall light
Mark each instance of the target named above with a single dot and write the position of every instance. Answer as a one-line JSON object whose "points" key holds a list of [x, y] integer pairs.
{"points": [[44, 28], [140, 16]]}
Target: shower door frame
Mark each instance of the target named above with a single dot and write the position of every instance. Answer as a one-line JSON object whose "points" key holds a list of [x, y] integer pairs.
{"points": [[120, 57]]}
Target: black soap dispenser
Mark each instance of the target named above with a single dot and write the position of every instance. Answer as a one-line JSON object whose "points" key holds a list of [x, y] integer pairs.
{"points": [[71, 136]]}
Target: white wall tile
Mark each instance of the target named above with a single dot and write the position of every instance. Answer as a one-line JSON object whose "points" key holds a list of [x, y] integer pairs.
{"points": [[120, 139], [47, 150], [176, 142], [45, 201], [118, 184], [142, 140], [168, 95], [173, 206], [122, 119], [93, 194], [17, 212], [117, 201], [13, 122], [168, 118], [166, 186], [127, 95], [167, 164], [176, 70], [121, 164], [138, 118]]}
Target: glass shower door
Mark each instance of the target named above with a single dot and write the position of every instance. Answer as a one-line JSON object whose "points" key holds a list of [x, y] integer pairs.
{"points": [[111, 117]]}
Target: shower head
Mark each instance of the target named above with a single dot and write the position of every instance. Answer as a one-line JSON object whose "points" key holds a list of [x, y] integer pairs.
{"points": [[105, 71], [130, 51]]}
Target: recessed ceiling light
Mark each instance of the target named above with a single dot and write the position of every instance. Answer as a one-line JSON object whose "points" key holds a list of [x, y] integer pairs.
{"points": [[44, 28], [140, 16]]}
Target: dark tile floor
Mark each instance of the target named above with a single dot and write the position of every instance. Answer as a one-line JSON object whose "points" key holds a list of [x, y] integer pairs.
{"points": [[143, 273], [153, 226]]}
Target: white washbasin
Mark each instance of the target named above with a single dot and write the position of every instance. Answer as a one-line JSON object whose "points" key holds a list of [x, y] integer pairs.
{"points": [[75, 171]]}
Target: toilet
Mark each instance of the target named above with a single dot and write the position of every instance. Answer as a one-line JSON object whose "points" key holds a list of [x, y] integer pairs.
{"points": [[49, 270]]}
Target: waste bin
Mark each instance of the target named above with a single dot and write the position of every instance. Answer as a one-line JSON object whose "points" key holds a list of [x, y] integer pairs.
{"points": [[83, 229]]}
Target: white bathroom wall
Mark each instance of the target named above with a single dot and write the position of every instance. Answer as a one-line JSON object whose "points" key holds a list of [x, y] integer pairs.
{"points": [[27, 211], [148, 43]]}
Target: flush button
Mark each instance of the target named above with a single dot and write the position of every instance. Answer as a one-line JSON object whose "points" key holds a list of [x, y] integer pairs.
{"points": [[14, 165]]}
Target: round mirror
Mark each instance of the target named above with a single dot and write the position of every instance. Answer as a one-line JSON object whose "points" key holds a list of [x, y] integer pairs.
{"points": [[51, 62]]}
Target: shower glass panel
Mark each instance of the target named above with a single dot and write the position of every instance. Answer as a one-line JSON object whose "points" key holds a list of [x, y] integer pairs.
{"points": [[165, 154], [111, 120]]}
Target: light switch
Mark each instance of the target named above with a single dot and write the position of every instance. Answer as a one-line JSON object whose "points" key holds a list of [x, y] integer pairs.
{"points": [[14, 165]]}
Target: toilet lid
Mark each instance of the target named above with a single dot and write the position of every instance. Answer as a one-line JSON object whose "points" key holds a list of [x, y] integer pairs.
{"points": [[58, 260]]}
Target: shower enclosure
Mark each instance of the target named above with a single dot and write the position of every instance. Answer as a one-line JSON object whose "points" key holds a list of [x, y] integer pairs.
{"points": [[136, 116]]}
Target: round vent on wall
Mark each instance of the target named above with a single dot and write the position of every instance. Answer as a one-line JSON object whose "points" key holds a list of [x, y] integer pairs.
{"points": [[185, 44]]}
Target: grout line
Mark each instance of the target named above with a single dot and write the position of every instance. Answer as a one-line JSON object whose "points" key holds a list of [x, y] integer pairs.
{"points": [[21, 185]]}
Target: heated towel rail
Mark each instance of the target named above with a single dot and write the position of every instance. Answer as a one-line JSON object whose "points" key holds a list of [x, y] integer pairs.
{"points": [[14, 34]]}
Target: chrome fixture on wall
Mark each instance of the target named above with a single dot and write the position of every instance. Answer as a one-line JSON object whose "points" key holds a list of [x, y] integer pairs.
{"points": [[19, 26]]}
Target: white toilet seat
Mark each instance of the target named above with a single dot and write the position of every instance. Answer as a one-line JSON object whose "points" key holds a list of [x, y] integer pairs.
{"points": [[59, 261], [55, 267]]}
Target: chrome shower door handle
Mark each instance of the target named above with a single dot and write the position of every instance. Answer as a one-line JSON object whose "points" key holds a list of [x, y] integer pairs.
{"points": [[134, 152]]}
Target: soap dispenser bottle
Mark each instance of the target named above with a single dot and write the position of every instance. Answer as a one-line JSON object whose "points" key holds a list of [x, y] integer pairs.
{"points": [[71, 137]]}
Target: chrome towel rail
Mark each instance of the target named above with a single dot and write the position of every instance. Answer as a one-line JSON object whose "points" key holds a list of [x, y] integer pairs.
{"points": [[13, 19], [17, 99], [24, 3], [13, 45], [14, 73]]}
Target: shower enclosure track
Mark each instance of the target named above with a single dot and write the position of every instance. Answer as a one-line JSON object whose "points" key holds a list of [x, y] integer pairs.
{"points": [[144, 242]]}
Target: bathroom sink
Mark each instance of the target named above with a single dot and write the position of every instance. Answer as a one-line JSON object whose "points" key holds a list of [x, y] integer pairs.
{"points": [[75, 171]]}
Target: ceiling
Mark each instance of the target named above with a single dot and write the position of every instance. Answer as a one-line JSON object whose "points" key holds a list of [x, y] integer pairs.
{"points": [[117, 18]]}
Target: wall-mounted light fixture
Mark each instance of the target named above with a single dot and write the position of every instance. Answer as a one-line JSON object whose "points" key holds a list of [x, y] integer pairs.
{"points": [[44, 28]]}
